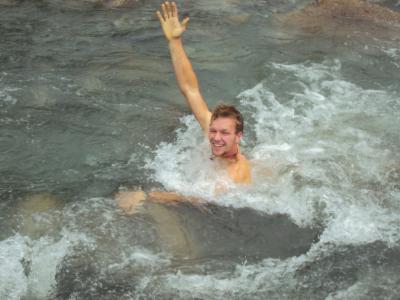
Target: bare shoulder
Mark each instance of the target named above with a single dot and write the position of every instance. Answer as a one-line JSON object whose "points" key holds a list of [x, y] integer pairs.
{"points": [[246, 169]]}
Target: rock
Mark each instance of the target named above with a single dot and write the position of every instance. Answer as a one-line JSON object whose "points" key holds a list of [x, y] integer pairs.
{"points": [[347, 21], [341, 11]]}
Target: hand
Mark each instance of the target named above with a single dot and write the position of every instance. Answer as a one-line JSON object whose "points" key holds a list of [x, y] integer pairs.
{"points": [[169, 20], [129, 201]]}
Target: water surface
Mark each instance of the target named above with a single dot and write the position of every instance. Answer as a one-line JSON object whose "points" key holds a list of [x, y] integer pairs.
{"points": [[89, 106]]}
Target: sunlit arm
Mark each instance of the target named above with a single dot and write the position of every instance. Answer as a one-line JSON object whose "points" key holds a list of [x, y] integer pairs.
{"points": [[188, 84], [130, 201], [186, 78]]}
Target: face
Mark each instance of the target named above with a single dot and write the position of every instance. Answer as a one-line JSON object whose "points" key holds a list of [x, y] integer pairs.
{"points": [[223, 137]]}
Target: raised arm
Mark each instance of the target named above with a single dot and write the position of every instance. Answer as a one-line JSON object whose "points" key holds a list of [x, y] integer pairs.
{"points": [[185, 76]]}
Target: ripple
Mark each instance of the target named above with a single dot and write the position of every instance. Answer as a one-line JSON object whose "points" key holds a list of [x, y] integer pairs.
{"points": [[7, 98], [8, 142]]}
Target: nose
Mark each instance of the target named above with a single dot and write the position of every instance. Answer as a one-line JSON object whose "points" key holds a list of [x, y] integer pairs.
{"points": [[217, 136]]}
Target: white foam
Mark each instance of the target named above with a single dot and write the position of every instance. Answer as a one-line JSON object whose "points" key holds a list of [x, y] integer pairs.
{"points": [[362, 224], [6, 97], [46, 254], [392, 52], [270, 277], [28, 267], [184, 168], [142, 257], [13, 282]]}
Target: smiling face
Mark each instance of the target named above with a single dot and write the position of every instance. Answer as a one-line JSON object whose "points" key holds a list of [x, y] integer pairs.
{"points": [[223, 137]]}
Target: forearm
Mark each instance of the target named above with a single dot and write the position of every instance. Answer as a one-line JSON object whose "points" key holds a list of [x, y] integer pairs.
{"points": [[188, 84], [185, 76], [169, 197], [164, 196]]}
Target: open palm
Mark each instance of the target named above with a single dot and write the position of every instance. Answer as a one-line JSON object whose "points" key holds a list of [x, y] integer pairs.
{"points": [[170, 22]]}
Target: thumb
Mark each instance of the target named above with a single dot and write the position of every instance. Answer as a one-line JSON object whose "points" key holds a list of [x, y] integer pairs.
{"points": [[185, 22]]}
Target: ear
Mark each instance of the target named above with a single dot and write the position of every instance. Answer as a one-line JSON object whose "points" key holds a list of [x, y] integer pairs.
{"points": [[238, 137]]}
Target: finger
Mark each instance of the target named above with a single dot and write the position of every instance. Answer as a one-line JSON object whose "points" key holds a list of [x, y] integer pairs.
{"points": [[160, 17], [174, 10], [168, 8], [164, 9], [185, 22]]}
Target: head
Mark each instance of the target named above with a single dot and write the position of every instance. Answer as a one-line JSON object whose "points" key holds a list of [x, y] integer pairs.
{"points": [[225, 130]]}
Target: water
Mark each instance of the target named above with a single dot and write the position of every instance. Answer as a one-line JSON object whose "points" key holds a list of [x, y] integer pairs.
{"points": [[89, 106]]}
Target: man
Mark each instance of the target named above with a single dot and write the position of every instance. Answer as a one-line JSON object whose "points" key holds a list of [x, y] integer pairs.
{"points": [[223, 126]]}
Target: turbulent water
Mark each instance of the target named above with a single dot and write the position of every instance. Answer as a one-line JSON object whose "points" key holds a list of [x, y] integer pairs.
{"points": [[89, 107]]}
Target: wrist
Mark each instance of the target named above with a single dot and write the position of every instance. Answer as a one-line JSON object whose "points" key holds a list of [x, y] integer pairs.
{"points": [[173, 40]]}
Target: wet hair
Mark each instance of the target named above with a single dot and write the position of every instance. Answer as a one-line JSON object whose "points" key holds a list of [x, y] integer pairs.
{"points": [[228, 111]]}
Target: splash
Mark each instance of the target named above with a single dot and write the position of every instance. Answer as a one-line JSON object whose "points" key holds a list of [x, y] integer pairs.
{"points": [[29, 266], [315, 151]]}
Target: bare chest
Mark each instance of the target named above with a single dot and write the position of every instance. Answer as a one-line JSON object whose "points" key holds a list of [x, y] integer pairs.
{"points": [[239, 171]]}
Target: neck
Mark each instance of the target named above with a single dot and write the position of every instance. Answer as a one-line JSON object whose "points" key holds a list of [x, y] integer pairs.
{"points": [[231, 155]]}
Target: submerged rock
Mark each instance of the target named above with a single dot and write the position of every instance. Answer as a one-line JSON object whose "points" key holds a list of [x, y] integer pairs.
{"points": [[342, 11], [32, 211], [356, 10], [343, 23], [234, 234]]}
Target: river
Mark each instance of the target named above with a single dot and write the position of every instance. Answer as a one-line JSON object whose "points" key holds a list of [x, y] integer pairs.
{"points": [[89, 106]]}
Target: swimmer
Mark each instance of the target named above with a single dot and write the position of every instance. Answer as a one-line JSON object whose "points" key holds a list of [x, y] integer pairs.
{"points": [[223, 126]]}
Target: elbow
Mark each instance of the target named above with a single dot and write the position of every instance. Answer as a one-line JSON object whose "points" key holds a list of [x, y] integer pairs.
{"points": [[184, 91], [188, 91]]}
